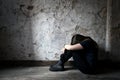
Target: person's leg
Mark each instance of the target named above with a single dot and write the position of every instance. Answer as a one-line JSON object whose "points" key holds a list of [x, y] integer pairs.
{"points": [[85, 62], [59, 66], [81, 63], [91, 58], [66, 56]]}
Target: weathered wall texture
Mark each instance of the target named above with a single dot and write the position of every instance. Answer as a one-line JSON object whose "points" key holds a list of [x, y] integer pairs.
{"points": [[38, 29], [115, 31]]}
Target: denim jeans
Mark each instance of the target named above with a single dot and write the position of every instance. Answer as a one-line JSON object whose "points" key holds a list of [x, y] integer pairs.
{"points": [[85, 61]]}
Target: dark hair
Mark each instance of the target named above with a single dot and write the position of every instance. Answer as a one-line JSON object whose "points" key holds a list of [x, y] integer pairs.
{"points": [[77, 38]]}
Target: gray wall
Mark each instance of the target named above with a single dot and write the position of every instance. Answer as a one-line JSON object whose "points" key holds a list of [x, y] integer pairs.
{"points": [[38, 29], [115, 31]]}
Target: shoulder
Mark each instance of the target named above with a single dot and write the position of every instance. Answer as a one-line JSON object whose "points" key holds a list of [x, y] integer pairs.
{"points": [[88, 42]]}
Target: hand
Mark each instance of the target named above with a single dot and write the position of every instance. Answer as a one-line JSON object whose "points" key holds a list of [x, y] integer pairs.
{"points": [[68, 47], [63, 49]]}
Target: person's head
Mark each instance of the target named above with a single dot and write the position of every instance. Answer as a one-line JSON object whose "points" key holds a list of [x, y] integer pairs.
{"points": [[77, 38]]}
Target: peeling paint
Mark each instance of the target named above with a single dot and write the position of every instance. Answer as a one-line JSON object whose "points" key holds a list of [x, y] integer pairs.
{"points": [[30, 7], [38, 29], [103, 12], [56, 55]]}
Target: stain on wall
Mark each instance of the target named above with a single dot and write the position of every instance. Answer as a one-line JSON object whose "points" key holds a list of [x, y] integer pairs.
{"points": [[38, 29]]}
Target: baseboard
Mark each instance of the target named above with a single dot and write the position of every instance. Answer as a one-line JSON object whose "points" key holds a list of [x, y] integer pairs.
{"points": [[11, 63], [28, 63]]}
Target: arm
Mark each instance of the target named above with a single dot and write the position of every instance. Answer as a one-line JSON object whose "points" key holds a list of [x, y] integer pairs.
{"points": [[86, 44], [77, 46]]}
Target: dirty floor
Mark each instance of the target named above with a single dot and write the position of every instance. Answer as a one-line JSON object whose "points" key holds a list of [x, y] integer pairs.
{"points": [[43, 73]]}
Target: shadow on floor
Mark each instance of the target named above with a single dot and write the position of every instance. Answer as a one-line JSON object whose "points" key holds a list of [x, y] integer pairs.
{"points": [[108, 67], [103, 67]]}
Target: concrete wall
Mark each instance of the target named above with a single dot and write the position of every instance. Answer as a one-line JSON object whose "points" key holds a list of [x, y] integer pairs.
{"points": [[115, 31], [38, 29]]}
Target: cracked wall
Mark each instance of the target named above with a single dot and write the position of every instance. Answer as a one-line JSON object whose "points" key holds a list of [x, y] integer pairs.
{"points": [[38, 29]]}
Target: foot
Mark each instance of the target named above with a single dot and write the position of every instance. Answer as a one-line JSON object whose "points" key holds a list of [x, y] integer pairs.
{"points": [[56, 67]]}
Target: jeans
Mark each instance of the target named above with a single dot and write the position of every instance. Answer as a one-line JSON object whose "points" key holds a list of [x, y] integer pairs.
{"points": [[85, 61]]}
